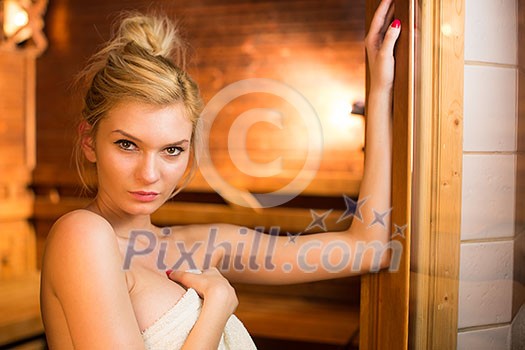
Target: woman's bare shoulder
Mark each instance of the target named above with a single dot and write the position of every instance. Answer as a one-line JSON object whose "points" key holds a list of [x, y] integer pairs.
{"points": [[79, 226], [78, 237], [81, 218]]}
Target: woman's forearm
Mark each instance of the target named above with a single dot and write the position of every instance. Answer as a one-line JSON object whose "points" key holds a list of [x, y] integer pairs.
{"points": [[376, 183]]}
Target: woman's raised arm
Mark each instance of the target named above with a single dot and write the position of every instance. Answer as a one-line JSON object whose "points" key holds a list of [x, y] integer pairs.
{"points": [[365, 246]]}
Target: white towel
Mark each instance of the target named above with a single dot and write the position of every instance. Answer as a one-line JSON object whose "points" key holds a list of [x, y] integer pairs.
{"points": [[170, 331]]}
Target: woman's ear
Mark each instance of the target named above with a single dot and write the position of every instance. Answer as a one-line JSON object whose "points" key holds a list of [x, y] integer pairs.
{"points": [[86, 141]]}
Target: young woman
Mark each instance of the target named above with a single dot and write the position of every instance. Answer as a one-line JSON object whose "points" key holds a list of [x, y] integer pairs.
{"points": [[104, 283]]}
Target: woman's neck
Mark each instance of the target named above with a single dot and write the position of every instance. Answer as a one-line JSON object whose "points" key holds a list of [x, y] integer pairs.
{"points": [[123, 223]]}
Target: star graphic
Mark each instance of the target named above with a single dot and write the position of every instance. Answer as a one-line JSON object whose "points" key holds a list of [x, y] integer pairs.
{"points": [[353, 208], [379, 217], [318, 220], [399, 231], [292, 237]]}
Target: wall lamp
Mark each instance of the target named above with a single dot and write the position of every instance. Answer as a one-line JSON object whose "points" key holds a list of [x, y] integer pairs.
{"points": [[21, 23]]}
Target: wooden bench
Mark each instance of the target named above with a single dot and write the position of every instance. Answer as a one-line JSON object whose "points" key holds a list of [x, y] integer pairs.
{"points": [[299, 319], [20, 312]]}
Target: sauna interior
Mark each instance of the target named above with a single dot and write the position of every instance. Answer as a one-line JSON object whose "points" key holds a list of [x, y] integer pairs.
{"points": [[314, 48], [459, 132]]}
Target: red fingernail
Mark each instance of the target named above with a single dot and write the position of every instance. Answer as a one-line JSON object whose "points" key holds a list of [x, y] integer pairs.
{"points": [[396, 24], [168, 273]]}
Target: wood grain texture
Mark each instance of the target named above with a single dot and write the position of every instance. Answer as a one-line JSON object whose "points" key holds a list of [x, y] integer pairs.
{"points": [[15, 82], [385, 296], [17, 159], [181, 213], [20, 308], [299, 319], [17, 249], [437, 191]]}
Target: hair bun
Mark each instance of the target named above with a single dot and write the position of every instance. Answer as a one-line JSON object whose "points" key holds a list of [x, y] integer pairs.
{"points": [[158, 35]]}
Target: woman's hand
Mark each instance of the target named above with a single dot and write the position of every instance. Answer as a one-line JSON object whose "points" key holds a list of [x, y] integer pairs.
{"points": [[220, 301], [211, 286], [380, 42]]}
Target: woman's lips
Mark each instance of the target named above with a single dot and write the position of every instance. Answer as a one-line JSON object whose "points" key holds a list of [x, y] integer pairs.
{"points": [[144, 196]]}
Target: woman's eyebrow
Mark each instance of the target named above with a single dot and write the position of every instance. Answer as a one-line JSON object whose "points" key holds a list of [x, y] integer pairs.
{"points": [[183, 141], [126, 134]]}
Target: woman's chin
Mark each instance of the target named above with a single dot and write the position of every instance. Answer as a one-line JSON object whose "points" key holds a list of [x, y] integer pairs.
{"points": [[143, 208]]}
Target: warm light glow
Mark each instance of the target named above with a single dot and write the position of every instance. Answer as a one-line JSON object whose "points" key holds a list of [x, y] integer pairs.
{"points": [[15, 17], [331, 91], [342, 129]]}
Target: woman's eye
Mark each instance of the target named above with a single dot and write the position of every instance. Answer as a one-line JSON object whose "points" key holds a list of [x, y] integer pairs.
{"points": [[174, 151], [125, 144]]}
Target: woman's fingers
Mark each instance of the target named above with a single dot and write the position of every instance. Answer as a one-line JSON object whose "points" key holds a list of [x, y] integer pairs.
{"points": [[198, 280], [189, 278], [391, 36], [208, 284], [381, 16]]}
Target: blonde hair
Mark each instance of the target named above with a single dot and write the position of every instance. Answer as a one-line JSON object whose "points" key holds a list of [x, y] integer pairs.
{"points": [[144, 61]]}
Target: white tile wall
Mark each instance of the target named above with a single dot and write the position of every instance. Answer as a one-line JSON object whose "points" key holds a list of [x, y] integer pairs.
{"points": [[488, 208], [498, 338], [488, 196], [490, 109], [491, 31], [485, 285]]}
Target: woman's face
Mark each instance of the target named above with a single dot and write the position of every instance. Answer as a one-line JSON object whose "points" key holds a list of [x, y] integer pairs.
{"points": [[141, 152]]}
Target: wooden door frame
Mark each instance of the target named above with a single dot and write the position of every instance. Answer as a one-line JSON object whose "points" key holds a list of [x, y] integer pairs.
{"points": [[417, 306]]}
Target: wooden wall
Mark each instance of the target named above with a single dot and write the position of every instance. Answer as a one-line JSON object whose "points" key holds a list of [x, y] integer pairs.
{"points": [[17, 239]]}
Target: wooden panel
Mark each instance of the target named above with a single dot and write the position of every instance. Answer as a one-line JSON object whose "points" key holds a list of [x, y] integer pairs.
{"points": [[16, 202], [16, 106], [20, 309], [17, 158], [299, 319], [288, 219], [314, 46], [331, 184], [438, 168], [17, 249], [384, 296]]}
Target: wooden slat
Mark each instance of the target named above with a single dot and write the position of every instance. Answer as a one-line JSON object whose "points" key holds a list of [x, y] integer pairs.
{"points": [[299, 319], [16, 202], [437, 193], [14, 82], [384, 301], [333, 183], [17, 249], [20, 308], [291, 219], [30, 111]]}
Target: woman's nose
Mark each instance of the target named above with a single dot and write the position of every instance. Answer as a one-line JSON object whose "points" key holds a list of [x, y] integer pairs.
{"points": [[148, 171]]}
